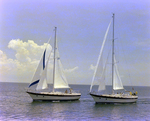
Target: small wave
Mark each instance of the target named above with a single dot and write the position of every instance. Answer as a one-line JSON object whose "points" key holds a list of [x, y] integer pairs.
{"points": [[144, 100]]}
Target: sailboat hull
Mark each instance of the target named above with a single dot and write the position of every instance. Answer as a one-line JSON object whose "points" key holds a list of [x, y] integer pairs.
{"points": [[56, 96], [116, 98]]}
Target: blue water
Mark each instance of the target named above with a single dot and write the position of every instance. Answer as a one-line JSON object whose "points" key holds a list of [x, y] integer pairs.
{"points": [[15, 104]]}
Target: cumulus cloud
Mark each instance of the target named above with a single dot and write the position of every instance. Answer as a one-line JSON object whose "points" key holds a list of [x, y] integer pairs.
{"points": [[25, 62], [3, 56], [26, 51], [23, 65]]}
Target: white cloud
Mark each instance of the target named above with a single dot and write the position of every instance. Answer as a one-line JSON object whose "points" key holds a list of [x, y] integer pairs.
{"points": [[3, 56], [27, 57], [92, 67], [26, 51], [71, 70]]}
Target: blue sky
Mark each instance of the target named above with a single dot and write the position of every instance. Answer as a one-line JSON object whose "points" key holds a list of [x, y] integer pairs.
{"points": [[81, 27]]}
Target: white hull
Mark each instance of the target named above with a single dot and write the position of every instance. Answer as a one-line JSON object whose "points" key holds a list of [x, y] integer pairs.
{"points": [[116, 98], [56, 96]]}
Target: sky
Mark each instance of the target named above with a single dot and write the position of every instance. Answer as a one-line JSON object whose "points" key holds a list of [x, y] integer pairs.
{"points": [[27, 25]]}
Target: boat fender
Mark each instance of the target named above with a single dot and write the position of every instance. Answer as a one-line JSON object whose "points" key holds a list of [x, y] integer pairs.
{"points": [[136, 92], [130, 93]]}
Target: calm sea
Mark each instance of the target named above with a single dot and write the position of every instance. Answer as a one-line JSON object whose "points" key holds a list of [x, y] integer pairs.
{"points": [[16, 105]]}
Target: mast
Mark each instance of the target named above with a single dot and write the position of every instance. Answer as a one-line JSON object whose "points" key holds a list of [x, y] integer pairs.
{"points": [[113, 54], [54, 59]]}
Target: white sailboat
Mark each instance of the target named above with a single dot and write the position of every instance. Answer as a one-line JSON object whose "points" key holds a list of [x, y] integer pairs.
{"points": [[59, 80], [99, 75]]}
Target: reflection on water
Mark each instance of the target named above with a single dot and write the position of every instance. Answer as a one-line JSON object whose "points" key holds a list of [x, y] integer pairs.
{"points": [[53, 110]]}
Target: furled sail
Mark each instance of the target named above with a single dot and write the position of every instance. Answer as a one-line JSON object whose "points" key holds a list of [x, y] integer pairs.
{"points": [[60, 79], [99, 72]]}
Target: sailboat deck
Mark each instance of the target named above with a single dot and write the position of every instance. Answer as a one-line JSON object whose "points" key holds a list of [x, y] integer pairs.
{"points": [[55, 93], [60, 93]]}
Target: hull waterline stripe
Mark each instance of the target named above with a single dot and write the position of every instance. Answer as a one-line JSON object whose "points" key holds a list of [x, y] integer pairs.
{"points": [[53, 95], [55, 100], [101, 96]]}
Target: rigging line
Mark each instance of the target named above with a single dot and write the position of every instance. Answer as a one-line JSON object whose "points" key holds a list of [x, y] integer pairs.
{"points": [[108, 71], [68, 63], [126, 63], [117, 52], [48, 42], [104, 69]]}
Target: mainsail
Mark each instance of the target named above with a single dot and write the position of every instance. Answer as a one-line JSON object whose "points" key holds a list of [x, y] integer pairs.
{"points": [[117, 83], [99, 71], [60, 79]]}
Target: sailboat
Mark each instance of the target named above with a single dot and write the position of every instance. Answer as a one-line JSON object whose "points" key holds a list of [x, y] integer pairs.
{"points": [[99, 76], [59, 80]]}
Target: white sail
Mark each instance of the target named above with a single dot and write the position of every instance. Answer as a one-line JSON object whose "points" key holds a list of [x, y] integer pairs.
{"points": [[43, 79], [60, 79], [101, 78], [117, 83], [99, 66], [39, 70]]}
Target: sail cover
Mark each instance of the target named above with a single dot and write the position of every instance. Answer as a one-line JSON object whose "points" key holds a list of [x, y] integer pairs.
{"points": [[40, 68], [99, 71], [60, 79]]}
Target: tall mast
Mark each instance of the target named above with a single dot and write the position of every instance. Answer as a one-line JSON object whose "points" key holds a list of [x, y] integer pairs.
{"points": [[54, 59], [113, 54]]}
